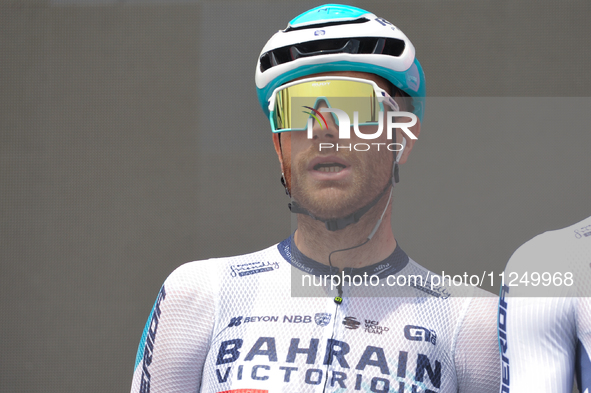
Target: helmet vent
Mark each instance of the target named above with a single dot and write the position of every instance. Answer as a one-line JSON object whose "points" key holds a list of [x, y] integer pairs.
{"points": [[326, 24], [357, 45]]}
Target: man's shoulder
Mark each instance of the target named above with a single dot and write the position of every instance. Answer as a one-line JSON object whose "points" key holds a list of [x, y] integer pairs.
{"points": [[269, 252], [209, 270], [556, 242], [549, 259], [560, 238]]}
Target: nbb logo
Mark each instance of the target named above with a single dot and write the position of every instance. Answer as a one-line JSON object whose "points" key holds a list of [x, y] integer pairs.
{"points": [[345, 128]]}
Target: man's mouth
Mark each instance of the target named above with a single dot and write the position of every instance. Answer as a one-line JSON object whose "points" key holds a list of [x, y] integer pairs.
{"points": [[329, 167]]}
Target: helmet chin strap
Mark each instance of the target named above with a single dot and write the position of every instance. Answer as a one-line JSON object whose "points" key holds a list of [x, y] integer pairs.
{"points": [[335, 224]]}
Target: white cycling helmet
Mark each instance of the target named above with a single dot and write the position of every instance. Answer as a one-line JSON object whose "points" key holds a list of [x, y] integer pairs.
{"points": [[336, 37]]}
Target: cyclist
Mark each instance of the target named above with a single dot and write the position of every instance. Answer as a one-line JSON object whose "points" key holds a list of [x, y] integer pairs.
{"points": [[545, 313], [344, 94]]}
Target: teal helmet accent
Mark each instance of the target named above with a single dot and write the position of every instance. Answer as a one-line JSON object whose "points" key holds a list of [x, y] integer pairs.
{"points": [[327, 13], [337, 37]]}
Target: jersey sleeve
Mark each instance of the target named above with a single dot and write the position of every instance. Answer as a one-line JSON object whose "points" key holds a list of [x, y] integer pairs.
{"points": [[477, 351], [538, 323], [583, 345], [540, 344], [176, 337]]}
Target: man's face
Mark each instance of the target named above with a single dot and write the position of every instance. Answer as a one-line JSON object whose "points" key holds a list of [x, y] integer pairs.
{"points": [[331, 183]]}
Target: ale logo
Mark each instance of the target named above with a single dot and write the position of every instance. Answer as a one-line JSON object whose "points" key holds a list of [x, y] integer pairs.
{"points": [[419, 333]]}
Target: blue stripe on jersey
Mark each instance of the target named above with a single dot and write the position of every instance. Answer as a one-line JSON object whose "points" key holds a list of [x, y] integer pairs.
{"points": [[583, 368], [142, 346]]}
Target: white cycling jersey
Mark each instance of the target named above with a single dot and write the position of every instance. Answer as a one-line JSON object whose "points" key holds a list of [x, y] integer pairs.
{"points": [[545, 324], [232, 325]]}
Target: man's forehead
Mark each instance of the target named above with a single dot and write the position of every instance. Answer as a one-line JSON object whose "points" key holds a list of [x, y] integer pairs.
{"points": [[381, 82]]}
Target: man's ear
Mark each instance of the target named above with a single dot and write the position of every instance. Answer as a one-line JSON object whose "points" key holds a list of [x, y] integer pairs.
{"points": [[277, 144], [416, 130]]}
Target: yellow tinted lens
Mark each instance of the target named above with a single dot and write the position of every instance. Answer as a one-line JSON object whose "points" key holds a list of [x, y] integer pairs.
{"points": [[350, 96]]}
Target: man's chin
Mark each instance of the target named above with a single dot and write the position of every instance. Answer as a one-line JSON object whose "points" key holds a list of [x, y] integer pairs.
{"points": [[328, 208], [332, 202]]}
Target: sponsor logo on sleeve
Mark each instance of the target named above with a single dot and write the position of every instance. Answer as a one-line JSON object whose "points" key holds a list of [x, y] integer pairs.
{"points": [[503, 343], [150, 332], [247, 269], [583, 232]]}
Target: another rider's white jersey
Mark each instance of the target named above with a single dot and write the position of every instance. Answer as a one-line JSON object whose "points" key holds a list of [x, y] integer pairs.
{"points": [[232, 324], [545, 325]]}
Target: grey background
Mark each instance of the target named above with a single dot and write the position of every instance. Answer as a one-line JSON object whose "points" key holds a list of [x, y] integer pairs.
{"points": [[132, 142]]}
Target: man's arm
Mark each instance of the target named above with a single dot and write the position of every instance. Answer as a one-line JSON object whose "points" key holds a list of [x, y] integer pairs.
{"points": [[175, 341]]}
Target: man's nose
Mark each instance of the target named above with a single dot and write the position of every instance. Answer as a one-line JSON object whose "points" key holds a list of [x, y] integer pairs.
{"points": [[325, 132], [326, 128]]}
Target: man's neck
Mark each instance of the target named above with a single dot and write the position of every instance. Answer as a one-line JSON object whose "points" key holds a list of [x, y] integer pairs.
{"points": [[316, 242]]}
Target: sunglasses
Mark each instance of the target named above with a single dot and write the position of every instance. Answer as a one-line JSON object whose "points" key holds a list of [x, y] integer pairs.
{"points": [[293, 104]]}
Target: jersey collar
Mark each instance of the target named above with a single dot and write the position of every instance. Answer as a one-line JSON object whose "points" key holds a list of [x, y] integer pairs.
{"points": [[391, 265]]}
